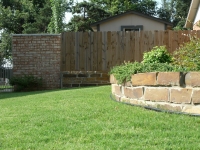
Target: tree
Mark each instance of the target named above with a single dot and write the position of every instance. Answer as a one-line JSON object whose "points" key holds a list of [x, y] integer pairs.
{"points": [[24, 16], [174, 11], [86, 13], [59, 7], [5, 47], [181, 11]]}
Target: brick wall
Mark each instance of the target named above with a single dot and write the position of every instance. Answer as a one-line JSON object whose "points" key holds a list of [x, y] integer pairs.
{"points": [[38, 55], [173, 91]]}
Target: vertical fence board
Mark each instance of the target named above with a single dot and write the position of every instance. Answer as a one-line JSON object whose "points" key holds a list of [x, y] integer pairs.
{"points": [[62, 54], [86, 50], [113, 46], [132, 50], [72, 50], [100, 51], [94, 52], [67, 51], [104, 48], [151, 41], [76, 45], [137, 46], [174, 41], [198, 33], [91, 50], [109, 51], [127, 47], [81, 52]]}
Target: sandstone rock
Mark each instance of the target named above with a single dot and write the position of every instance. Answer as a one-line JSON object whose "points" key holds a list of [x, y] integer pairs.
{"points": [[169, 78], [156, 94], [196, 96], [180, 95], [144, 79], [134, 92], [192, 79], [113, 79]]}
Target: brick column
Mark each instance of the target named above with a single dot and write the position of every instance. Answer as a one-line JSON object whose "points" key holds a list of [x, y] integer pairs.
{"points": [[38, 55]]}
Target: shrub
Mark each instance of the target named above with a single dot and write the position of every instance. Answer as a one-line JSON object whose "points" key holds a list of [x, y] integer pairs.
{"points": [[188, 55], [123, 72], [26, 82], [158, 54]]}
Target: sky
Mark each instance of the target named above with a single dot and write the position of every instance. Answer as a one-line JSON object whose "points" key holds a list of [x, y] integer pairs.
{"points": [[68, 16]]}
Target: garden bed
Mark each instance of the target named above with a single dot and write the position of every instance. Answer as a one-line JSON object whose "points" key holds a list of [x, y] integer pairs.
{"points": [[171, 91]]}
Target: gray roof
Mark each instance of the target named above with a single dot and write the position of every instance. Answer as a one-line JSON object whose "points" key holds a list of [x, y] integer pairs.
{"points": [[135, 13]]}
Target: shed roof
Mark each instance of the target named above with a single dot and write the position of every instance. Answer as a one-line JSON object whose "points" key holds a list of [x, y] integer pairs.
{"points": [[132, 12]]}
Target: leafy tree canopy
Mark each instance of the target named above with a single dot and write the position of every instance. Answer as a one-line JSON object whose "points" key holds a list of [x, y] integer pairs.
{"points": [[29, 16], [86, 13], [174, 11]]}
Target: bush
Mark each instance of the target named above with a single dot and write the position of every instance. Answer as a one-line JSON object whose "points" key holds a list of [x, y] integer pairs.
{"points": [[26, 82], [188, 55], [123, 72], [158, 54]]}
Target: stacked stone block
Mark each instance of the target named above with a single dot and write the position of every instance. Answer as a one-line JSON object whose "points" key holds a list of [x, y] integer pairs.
{"points": [[38, 55], [166, 90], [84, 78]]}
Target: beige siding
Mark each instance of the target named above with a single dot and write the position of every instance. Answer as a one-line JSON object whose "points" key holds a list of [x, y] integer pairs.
{"points": [[196, 26], [131, 19]]}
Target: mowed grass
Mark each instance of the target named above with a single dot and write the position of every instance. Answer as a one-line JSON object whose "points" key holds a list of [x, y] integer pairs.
{"points": [[87, 119]]}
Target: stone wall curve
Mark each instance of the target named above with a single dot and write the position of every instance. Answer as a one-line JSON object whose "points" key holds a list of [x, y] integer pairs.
{"points": [[173, 91]]}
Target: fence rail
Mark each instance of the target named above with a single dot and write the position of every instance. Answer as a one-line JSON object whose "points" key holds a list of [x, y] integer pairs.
{"points": [[100, 51], [5, 75]]}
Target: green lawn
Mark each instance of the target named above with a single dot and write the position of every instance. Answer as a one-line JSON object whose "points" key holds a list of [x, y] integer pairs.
{"points": [[2, 87], [87, 119]]}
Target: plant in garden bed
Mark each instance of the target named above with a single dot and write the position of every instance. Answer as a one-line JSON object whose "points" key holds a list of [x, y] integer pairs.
{"points": [[26, 83], [156, 60], [123, 72], [158, 54], [188, 55]]}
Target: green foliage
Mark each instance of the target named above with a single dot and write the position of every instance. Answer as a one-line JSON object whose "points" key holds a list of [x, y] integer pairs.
{"points": [[174, 11], [19, 17], [188, 55], [158, 54], [87, 12], [59, 7], [123, 72], [5, 47], [26, 82]]}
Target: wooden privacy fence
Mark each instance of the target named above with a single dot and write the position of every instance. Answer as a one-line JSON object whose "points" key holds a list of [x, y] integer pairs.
{"points": [[100, 51]]}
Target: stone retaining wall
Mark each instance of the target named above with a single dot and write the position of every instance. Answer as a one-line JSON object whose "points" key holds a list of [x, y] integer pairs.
{"points": [[84, 78], [172, 91]]}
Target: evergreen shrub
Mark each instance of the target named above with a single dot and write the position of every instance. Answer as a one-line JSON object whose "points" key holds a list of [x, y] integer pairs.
{"points": [[26, 82], [158, 54]]}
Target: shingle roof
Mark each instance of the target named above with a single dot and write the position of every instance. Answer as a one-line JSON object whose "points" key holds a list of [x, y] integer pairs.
{"points": [[132, 12]]}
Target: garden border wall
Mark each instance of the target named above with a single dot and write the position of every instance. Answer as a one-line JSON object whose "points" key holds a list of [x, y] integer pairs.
{"points": [[174, 91], [84, 78]]}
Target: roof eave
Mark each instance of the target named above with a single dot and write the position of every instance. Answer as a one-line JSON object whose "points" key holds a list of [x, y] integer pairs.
{"points": [[132, 12], [191, 14]]}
